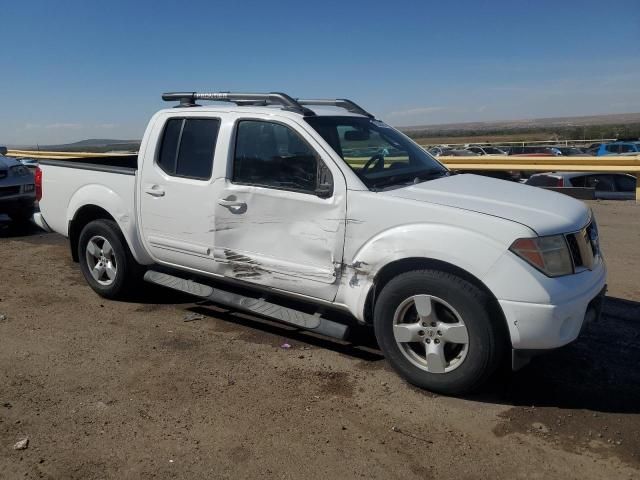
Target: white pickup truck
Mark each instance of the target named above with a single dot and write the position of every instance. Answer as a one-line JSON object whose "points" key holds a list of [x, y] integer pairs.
{"points": [[314, 213]]}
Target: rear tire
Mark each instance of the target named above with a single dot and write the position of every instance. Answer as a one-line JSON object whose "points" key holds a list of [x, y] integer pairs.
{"points": [[438, 331], [106, 261]]}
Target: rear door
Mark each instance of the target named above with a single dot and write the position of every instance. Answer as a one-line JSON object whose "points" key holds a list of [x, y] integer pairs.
{"points": [[280, 213], [176, 203]]}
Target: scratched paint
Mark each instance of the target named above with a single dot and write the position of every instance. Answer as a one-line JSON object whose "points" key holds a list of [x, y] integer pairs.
{"points": [[281, 234]]}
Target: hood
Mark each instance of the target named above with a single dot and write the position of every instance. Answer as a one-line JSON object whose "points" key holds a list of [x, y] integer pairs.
{"points": [[543, 211]]}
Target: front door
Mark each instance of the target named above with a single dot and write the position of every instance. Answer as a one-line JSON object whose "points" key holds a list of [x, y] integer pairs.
{"points": [[280, 216], [175, 194]]}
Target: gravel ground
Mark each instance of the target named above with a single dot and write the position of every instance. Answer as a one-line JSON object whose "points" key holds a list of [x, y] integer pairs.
{"points": [[131, 390]]}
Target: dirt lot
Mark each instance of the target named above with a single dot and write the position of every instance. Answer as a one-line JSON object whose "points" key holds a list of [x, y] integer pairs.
{"points": [[131, 390]]}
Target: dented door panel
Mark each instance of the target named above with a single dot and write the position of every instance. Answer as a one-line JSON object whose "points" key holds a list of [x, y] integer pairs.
{"points": [[283, 239]]}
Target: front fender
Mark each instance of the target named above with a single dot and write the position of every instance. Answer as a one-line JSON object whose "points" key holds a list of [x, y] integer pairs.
{"points": [[464, 248]]}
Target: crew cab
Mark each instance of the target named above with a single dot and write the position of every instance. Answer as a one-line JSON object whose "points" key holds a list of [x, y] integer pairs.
{"points": [[317, 214]]}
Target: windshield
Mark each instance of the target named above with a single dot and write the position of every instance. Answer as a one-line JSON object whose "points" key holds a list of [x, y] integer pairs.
{"points": [[380, 155], [493, 150]]}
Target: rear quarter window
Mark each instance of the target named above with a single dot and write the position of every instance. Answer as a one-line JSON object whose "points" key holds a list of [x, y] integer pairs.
{"points": [[188, 146]]}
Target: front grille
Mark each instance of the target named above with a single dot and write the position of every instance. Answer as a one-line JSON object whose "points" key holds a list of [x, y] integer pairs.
{"points": [[575, 250], [6, 191], [583, 248], [592, 235]]}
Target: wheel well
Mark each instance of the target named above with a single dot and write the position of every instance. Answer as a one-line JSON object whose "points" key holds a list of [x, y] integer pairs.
{"points": [[394, 269], [84, 215]]}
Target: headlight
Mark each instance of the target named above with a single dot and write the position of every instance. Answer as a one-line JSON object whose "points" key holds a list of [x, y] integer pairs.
{"points": [[19, 170], [550, 254]]}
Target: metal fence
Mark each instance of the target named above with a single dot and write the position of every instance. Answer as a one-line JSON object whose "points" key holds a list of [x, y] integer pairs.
{"points": [[524, 143]]}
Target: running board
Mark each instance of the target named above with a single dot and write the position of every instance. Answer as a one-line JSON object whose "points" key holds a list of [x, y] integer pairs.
{"points": [[260, 306]]}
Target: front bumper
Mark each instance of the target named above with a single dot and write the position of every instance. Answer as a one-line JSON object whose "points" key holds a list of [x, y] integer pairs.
{"points": [[535, 326]]}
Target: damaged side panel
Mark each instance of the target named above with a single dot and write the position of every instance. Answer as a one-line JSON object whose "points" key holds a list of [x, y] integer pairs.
{"points": [[282, 239], [382, 229]]}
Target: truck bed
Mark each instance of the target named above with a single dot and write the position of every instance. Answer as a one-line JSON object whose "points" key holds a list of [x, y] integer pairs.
{"points": [[109, 182]]}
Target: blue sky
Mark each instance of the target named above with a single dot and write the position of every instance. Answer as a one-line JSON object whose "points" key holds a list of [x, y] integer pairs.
{"points": [[96, 69]]}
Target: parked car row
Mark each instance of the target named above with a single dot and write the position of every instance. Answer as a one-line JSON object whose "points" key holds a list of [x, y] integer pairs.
{"points": [[595, 149], [607, 186]]}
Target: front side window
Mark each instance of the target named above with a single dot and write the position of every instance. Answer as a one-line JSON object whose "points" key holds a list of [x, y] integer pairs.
{"points": [[380, 155], [493, 151], [188, 146], [602, 183], [273, 155], [613, 148], [625, 148]]}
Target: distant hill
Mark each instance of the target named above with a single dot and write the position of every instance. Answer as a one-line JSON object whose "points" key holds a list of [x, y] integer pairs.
{"points": [[611, 119], [624, 125], [554, 128]]}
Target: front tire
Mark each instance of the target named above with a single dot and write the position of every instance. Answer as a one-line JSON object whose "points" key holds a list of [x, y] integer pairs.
{"points": [[105, 260], [438, 331]]}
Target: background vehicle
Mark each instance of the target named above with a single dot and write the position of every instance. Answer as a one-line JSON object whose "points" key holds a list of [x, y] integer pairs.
{"points": [[571, 151], [30, 163], [17, 190], [486, 150], [615, 148], [319, 219], [453, 152], [607, 186], [535, 151]]}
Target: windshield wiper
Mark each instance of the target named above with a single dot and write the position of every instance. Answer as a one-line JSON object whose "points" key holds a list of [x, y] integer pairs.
{"points": [[407, 178]]}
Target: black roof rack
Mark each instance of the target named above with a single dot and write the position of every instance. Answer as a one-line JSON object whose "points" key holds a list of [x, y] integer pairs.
{"points": [[188, 99], [338, 102]]}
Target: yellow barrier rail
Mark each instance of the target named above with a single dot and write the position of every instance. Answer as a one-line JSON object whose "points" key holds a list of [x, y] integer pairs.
{"points": [[616, 164]]}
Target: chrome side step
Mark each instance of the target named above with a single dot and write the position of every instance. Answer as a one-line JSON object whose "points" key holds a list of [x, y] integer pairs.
{"points": [[314, 322]]}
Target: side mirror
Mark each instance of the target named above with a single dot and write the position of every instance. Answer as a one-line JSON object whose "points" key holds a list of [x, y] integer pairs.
{"points": [[3, 150]]}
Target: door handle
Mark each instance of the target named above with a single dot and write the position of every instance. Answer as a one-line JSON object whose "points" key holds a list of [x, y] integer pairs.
{"points": [[154, 191], [231, 203]]}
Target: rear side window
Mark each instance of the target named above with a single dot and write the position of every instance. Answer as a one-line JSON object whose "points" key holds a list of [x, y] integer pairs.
{"points": [[188, 146], [579, 181], [543, 181]]}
